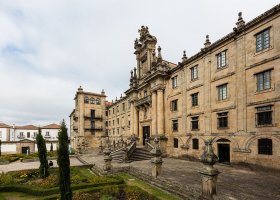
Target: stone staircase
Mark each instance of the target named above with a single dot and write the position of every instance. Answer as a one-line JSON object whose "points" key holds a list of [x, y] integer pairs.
{"points": [[118, 155], [140, 153]]}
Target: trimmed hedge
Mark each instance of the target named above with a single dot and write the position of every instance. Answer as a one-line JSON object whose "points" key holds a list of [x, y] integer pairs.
{"points": [[46, 192]]}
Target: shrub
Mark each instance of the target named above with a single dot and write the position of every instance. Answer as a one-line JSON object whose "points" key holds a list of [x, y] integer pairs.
{"points": [[6, 179], [48, 182]]}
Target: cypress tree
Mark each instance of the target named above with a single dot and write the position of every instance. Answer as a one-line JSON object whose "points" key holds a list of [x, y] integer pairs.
{"points": [[42, 152], [64, 163]]}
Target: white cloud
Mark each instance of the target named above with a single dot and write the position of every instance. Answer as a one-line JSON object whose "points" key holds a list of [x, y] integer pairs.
{"points": [[48, 47]]}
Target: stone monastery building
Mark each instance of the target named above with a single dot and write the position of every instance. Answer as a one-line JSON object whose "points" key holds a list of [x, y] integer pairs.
{"points": [[229, 91]]}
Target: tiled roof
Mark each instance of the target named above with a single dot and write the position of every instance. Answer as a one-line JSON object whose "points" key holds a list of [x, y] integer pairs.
{"points": [[2, 125], [27, 127], [51, 126]]}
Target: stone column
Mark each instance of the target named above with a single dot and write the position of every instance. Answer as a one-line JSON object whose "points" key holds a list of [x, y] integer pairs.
{"points": [[107, 159], [154, 113], [160, 113], [132, 118], [209, 174], [156, 160], [136, 122]]}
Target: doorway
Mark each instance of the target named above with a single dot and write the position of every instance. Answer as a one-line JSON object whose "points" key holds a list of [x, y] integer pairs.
{"points": [[146, 133], [224, 153], [25, 150]]}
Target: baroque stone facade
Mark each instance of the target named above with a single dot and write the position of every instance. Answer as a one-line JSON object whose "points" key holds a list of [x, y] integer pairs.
{"points": [[229, 91]]}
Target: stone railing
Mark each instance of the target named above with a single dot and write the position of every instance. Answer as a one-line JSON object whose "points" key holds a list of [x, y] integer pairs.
{"points": [[130, 148], [149, 146]]}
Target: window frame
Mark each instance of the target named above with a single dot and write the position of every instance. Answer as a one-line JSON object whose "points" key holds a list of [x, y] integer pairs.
{"points": [[261, 76], [175, 125], [265, 146], [194, 100], [222, 59], [221, 92], [174, 81], [174, 105], [194, 72], [175, 143], [261, 111], [222, 116], [195, 144], [260, 35], [194, 119]]}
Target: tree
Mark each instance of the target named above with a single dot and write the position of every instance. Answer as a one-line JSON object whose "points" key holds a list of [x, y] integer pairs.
{"points": [[64, 163], [42, 151]]}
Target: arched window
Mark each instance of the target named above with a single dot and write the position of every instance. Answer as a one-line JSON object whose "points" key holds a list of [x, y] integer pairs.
{"points": [[265, 146], [86, 99], [92, 100], [195, 143], [175, 143], [97, 101]]}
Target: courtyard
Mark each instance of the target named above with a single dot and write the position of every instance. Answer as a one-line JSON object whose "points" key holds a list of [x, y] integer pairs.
{"points": [[234, 182]]}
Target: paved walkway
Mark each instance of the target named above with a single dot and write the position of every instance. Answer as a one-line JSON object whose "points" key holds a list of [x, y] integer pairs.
{"points": [[234, 183], [14, 166]]}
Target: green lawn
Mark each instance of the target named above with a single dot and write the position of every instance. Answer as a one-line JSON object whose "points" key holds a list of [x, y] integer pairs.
{"points": [[160, 194]]}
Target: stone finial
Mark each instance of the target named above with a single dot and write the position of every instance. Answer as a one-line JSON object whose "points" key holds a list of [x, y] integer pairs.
{"points": [[159, 58], [103, 92], [80, 89], [240, 22], [209, 174], [207, 42], [184, 58], [135, 75], [136, 43], [121, 96], [116, 99]]}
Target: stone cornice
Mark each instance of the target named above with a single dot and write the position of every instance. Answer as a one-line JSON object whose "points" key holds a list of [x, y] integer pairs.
{"points": [[196, 86], [264, 101], [263, 62], [223, 76], [224, 109]]}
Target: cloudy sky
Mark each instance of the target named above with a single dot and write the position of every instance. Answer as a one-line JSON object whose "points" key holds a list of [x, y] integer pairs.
{"points": [[48, 48]]}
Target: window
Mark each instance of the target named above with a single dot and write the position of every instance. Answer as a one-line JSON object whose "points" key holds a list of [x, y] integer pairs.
{"points": [[194, 73], [113, 110], [98, 101], [123, 106], [174, 106], [86, 99], [262, 40], [118, 121], [21, 134], [264, 115], [265, 146], [28, 134], [47, 133], [263, 80], [194, 123], [221, 59], [175, 125], [175, 143], [222, 92], [194, 99], [223, 120], [113, 122], [145, 113], [117, 109], [174, 82], [106, 113], [106, 123], [129, 123], [0, 134], [195, 144], [92, 100], [34, 134]]}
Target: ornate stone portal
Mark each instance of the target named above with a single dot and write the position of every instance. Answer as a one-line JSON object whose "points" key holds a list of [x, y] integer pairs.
{"points": [[209, 174]]}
